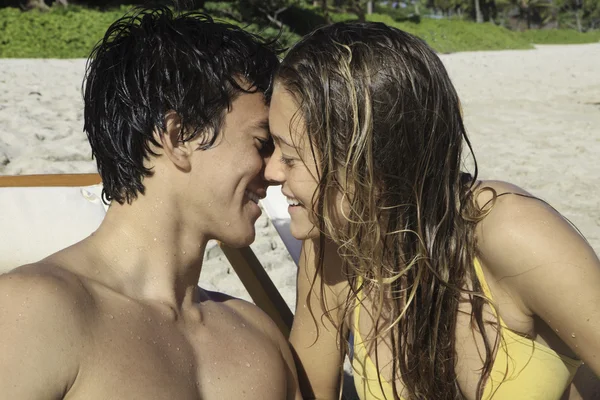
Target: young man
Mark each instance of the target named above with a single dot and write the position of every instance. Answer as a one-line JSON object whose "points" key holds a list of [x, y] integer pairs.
{"points": [[176, 114]]}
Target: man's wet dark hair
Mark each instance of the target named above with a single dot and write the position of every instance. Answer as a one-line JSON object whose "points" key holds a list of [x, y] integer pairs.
{"points": [[152, 61]]}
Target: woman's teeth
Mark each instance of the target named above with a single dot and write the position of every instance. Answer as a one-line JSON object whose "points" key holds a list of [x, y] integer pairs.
{"points": [[292, 202]]}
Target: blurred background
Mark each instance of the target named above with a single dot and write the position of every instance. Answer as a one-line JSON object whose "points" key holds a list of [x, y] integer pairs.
{"points": [[70, 28]]}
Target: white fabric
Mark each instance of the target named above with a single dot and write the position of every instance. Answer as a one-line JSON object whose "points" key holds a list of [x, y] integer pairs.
{"points": [[38, 221], [276, 207]]}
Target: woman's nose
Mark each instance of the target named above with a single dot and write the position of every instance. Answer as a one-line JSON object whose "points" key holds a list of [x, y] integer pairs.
{"points": [[274, 173]]}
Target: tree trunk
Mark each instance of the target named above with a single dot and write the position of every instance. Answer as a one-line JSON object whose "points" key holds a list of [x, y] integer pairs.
{"points": [[359, 10], [369, 7], [578, 19], [478, 13], [36, 4]]}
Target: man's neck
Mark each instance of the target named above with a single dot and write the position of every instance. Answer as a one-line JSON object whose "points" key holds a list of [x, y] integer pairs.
{"points": [[148, 253]]}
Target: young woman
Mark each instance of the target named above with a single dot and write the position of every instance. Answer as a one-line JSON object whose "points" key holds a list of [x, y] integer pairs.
{"points": [[436, 284]]}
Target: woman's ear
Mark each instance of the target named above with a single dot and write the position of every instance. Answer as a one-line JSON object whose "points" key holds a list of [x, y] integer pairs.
{"points": [[176, 150]]}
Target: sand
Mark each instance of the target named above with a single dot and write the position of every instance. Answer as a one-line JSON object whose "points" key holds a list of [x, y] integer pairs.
{"points": [[533, 117]]}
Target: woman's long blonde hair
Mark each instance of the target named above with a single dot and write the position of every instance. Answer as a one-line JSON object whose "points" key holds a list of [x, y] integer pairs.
{"points": [[384, 124]]}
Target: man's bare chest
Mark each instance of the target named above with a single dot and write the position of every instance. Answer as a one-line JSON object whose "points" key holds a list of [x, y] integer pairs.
{"points": [[138, 353]]}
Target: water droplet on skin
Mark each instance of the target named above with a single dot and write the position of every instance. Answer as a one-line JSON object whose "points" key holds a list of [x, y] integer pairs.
{"points": [[184, 253], [155, 239], [248, 365], [169, 344], [228, 223], [139, 338], [177, 348], [243, 325], [572, 335], [111, 316]]}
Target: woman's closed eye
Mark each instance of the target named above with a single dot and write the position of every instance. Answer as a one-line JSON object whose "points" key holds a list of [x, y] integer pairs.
{"points": [[286, 160]]}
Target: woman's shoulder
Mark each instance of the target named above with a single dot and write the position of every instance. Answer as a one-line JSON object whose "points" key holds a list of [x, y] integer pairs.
{"points": [[505, 193], [515, 221], [520, 236]]}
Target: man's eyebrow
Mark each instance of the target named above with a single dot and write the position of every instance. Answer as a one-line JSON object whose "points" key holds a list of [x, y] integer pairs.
{"points": [[263, 124], [280, 140]]}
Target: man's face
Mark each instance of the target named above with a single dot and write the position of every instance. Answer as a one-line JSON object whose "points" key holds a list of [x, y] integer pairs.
{"points": [[229, 175]]}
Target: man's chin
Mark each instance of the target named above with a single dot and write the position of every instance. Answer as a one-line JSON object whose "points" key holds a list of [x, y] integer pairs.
{"points": [[239, 241]]}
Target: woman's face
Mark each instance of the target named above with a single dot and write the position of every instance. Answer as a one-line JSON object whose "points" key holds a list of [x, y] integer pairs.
{"points": [[292, 164]]}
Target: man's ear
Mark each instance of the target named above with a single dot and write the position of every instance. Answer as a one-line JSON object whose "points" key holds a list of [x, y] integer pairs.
{"points": [[178, 151]]}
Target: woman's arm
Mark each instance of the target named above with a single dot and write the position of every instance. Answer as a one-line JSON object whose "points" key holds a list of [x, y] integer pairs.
{"points": [[314, 338]]}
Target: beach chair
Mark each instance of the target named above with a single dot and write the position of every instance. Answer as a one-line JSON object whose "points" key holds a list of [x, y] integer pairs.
{"points": [[45, 213]]}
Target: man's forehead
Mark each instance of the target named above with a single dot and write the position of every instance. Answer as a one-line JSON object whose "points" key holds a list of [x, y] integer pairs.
{"points": [[262, 123], [248, 109]]}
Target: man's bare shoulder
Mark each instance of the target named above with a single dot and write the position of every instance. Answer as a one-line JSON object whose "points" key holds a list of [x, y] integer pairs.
{"points": [[46, 297], [45, 286], [43, 326]]}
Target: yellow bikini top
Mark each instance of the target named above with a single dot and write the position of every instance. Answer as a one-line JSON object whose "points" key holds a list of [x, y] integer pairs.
{"points": [[522, 369]]}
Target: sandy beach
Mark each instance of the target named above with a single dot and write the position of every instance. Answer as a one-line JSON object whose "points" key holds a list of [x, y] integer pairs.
{"points": [[533, 117]]}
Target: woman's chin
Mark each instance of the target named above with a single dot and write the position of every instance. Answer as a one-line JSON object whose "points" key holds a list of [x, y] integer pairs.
{"points": [[303, 231]]}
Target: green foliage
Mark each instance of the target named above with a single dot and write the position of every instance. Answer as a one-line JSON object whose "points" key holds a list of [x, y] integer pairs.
{"points": [[448, 36], [560, 36], [221, 8], [260, 10], [68, 32], [72, 32]]}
